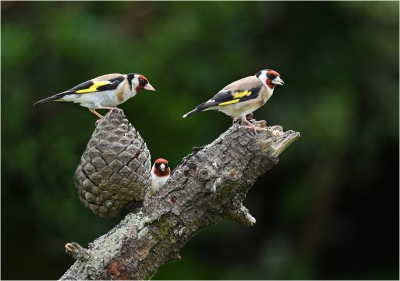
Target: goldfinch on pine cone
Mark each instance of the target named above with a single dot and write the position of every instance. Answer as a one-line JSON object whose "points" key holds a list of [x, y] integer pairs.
{"points": [[243, 96], [160, 173], [104, 92]]}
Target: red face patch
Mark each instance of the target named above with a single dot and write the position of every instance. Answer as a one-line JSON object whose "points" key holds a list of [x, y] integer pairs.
{"points": [[141, 76], [158, 171], [142, 82], [160, 160], [161, 173], [273, 72], [138, 88], [269, 81]]}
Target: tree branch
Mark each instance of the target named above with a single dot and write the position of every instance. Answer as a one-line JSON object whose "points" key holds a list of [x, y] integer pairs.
{"points": [[208, 187]]}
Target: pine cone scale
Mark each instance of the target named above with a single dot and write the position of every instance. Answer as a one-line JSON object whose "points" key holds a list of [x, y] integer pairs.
{"points": [[115, 167]]}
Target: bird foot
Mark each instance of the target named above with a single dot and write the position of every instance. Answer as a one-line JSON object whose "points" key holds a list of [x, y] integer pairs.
{"points": [[98, 115], [235, 120], [248, 117], [119, 110], [254, 128]]}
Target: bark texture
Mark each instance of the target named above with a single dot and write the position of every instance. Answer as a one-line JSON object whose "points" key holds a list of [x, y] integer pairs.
{"points": [[208, 187]]}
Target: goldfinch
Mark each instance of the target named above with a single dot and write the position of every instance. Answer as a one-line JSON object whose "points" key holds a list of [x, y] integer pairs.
{"points": [[243, 96], [160, 173], [104, 92]]}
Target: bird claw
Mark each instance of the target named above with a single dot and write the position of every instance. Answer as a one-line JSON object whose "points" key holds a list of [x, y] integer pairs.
{"points": [[254, 128], [235, 120], [118, 110]]}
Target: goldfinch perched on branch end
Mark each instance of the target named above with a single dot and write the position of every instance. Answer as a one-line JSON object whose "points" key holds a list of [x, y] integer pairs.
{"points": [[104, 92], [243, 96]]}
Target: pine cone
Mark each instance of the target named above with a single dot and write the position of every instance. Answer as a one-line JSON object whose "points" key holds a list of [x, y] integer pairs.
{"points": [[115, 167]]}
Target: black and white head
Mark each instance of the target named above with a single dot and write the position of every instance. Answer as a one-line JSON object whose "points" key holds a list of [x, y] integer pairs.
{"points": [[269, 78]]}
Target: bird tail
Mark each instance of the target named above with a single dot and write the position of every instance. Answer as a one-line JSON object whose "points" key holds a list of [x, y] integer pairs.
{"points": [[192, 112], [53, 98], [201, 107]]}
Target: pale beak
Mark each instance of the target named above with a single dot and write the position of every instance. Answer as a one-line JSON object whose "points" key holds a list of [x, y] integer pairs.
{"points": [[278, 81], [149, 87], [162, 167]]}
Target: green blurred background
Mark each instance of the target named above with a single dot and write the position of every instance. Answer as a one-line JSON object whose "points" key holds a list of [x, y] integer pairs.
{"points": [[328, 210]]}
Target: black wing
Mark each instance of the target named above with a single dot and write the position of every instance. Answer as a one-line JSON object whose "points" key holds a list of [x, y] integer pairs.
{"points": [[97, 86], [226, 97], [88, 87]]}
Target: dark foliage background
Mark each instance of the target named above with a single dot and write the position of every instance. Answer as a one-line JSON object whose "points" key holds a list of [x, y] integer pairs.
{"points": [[328, 210]]}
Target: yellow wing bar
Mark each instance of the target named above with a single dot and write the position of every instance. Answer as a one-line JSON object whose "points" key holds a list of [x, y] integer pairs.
{"points": [[93, 88], [229, 102], [236, 97], [239, 95]]}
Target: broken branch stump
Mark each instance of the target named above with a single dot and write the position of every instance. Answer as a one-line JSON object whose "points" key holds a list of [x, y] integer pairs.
{"points": [[208, 187]]}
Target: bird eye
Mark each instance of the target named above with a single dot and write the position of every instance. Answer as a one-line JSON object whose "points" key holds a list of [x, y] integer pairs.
{"points": [[142, 81], [271, 76]]}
